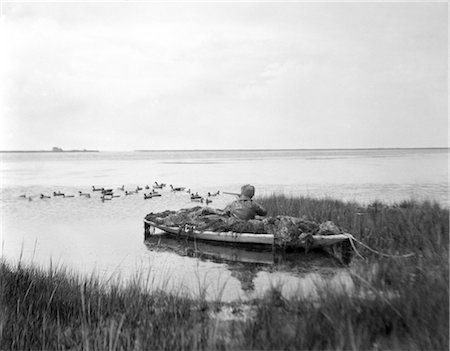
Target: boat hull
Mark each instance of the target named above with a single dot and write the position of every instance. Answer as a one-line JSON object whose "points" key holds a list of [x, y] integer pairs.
{"points": [[240, 238]]}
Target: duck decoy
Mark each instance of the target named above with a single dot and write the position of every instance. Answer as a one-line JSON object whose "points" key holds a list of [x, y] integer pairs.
{"points": [[214, 194], [84, 194], [107, 196], [195, 196], [106, 191], [129, 192], [180, 188], [58, 194], [44, 196], [138, 188], [148, 196], [147, 187], [97, 189]]}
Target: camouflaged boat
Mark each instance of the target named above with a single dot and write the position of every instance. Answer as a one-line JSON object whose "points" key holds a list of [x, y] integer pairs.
{"points": [[190, 232]]}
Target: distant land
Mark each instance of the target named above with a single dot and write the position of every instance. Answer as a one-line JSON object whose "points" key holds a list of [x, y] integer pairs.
{"points": [[54, 149], [57, 149], [302, 149]]}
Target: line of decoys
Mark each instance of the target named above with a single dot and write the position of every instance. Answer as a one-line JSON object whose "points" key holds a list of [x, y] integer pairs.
{"points": [[108, 194]]}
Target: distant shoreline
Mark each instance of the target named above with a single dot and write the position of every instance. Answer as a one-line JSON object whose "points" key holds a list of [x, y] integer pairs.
{"points": [[228, 150], [44, 151], [336, 149]]}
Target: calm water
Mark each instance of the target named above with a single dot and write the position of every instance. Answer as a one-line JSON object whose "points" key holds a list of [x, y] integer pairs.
{"points": [[88, 235]]}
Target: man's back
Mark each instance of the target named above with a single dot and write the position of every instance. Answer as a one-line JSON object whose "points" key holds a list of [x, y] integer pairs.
{"points": [[245, 209]]}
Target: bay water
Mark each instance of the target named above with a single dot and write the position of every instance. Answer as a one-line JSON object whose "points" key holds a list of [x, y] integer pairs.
{"points": [[106, 238]]}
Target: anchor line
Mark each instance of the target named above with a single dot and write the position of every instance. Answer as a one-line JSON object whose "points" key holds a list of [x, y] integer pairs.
{"points": [[352, 239]]}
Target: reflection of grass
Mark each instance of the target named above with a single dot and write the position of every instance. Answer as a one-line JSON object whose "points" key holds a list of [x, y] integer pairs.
{"points": [[397, 303]]}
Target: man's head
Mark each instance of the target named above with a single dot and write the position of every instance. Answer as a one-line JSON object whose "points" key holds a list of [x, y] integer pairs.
{"points": [[247, 191]]}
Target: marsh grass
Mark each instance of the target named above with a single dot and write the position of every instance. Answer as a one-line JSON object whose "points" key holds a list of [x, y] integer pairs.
{"points": [[408, 226], [55, 310], [403, 303], [399, 304]]}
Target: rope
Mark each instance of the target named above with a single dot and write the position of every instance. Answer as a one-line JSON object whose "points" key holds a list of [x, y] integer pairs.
{"points": [[354, 246], [352, 238]]}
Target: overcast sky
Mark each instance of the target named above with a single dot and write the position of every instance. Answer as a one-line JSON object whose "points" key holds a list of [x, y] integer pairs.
{"points": [[196, 75]]}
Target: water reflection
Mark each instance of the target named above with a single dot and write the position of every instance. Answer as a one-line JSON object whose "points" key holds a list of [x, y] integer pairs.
{"points": [[257, 269]]}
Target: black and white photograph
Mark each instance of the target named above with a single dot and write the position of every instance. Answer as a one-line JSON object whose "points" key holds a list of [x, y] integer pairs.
{"points": [[224, 175]]}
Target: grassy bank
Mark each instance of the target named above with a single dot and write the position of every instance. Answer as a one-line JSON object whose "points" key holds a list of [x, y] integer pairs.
{"points": [[418, 316], [399, 304], [409, 226]]}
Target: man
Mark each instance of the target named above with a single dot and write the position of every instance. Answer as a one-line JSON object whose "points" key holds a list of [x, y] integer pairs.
{"points": [[245, 208]]}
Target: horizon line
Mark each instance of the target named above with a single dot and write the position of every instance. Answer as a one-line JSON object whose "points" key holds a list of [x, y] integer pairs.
{"points": [[296, 149], [199, 150]]}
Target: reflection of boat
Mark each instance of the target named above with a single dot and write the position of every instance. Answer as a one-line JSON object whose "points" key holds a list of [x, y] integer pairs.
{"points": [[243, 262], [210, 250], [231, 253], [263, 241]]}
